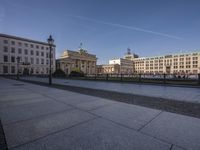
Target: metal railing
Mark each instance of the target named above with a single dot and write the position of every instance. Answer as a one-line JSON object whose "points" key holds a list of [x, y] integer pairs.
{"points": [[190, 79], [179, 79]]}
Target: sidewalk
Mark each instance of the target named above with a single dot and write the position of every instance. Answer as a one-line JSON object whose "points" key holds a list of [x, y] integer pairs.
{"points": [[37, 117]]}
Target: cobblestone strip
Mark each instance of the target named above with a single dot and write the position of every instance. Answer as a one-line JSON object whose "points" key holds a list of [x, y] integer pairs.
{"points": [[174, 106]]}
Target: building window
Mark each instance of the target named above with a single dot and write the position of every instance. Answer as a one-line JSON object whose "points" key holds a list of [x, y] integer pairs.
{"points": [[195, 58], [42, 53], [42, 61], [5, 41], [5, 49], [19, 51], [32, 46], [26, 52], [195, 66], [12, 58], [47, 62], [37, 53], [47, 48], [5, 58], [32, 60], [13, 42], [42, 47], [19, 43], [12, 50], [37, 61], [12, 69], [26, 59], [32, 52], [26, 44], [37, 46], [195, 62], [5, 69]]}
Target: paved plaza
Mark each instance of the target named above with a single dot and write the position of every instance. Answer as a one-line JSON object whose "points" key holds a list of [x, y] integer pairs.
{"points": [[42, 118], [161, 91]]}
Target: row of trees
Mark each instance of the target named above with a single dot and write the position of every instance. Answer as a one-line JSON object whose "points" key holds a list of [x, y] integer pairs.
{"points": [[74, 73]]}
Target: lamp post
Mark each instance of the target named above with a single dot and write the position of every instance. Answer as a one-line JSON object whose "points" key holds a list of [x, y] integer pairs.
{"points": [[18, 61], [50, 42]]}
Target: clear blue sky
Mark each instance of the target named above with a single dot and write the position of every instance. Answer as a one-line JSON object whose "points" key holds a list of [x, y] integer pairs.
{"points": [[107, 27]]}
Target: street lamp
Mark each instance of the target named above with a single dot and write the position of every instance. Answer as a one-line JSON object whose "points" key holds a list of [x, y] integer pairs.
{"points": [[18, 61], [50, 42]]}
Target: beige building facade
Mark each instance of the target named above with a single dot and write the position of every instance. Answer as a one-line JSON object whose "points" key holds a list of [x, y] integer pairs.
{"points": [[80, 59], [33, 55], [185, 63]]}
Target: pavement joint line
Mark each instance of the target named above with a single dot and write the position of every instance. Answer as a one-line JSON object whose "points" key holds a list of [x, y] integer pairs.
{"points": [[56, 132], [88, 111], [60, 101], [119, 124], [163, 140], [46, 95], [130, 128], [158, 103], [150, 120], [99, 107], [3, 143], [40, 116], [74, 107], [171, 147]]}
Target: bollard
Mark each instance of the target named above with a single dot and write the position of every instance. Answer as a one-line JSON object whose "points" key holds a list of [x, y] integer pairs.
{"points": [[95, 77], [106, 77], [164, 77], [121, 77], [140, 77]]}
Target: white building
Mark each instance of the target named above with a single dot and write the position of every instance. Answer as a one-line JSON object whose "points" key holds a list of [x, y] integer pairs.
{"points": [[34, 56], [126, 66]]}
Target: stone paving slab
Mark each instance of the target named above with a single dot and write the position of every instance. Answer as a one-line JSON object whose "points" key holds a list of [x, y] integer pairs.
{"points": [[23, 112], [128, 115], [76, 99], [13, 103], [97, 134], [177, 129], [26, 131], [4, 92], [95, 104], [20, 96]]}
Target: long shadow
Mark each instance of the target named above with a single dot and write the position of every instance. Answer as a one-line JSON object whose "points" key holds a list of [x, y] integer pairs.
{"points": [[169, 105]]}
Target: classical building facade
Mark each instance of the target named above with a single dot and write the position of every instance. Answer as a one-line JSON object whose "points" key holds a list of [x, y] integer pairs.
{"points": [[80, 59], [185, 63], [33, 56]]}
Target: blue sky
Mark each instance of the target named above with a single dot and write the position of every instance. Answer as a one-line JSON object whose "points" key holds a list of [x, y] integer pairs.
{"points": [[107, 27]]}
